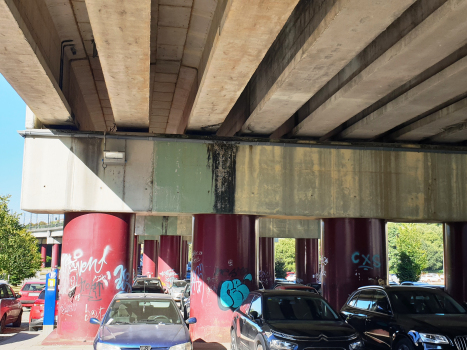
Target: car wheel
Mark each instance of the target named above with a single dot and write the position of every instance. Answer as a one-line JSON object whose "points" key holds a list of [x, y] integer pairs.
{"points": [[259, 347], [3, 324], [233, 340], [17, 323], [404, 344]]}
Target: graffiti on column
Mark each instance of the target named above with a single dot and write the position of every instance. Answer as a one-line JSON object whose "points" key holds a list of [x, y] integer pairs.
{"points": [[169, 276], [266, 279], [324, 261], [197, 284], [366, 262], [233, 292]]}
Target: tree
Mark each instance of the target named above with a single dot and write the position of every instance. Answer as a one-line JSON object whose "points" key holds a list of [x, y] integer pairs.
{"points": [[411, 257], [19, 255], [285, 254], [279, 268]]}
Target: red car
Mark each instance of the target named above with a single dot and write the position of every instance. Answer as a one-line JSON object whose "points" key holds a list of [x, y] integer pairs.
{"points": [[299, 287], [30, 292], [36, 314], [10, 307]]}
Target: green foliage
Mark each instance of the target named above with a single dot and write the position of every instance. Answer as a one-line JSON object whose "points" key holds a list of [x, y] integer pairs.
{"points": [[19, 256], [285, 253], [410, 255], [280, 270]]}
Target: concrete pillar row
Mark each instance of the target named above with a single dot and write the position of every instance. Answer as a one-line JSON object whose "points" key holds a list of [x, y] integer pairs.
{"points": [[266, 262], [97, 252], [43, 254], [306, 260], [55, 255], [184, 259], [223, 273], [135, 256], [150, 256], [168, 264], [455, 259], [354, 254]]}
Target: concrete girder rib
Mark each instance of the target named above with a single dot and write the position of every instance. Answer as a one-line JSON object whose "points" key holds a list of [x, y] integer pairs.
{"points": [[122, 34], [346, 29], [24, 67], [442, 87], [454, 133], [436, 37], [243, 35]]}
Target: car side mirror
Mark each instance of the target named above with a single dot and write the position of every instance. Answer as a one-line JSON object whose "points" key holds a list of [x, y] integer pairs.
{"points": [[17, 296], [94, 321], [191, 320]]}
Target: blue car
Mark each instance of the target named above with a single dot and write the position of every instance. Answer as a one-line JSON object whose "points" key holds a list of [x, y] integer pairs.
{"points": [[142, 321]]}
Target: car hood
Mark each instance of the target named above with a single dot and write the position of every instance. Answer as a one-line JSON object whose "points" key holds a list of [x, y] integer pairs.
{"points": [[450, 325], [177, 290], [145, 334], [312, 329]]}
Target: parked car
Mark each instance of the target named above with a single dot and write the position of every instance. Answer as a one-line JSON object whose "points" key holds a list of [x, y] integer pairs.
{"points": [[290, 276], [418, 284], [30, 291], [142, 321], [11, 309], [295, 286], [147, 285], [406, 318], [185, 301], [176, 291], [290, 320], [36, 314]]}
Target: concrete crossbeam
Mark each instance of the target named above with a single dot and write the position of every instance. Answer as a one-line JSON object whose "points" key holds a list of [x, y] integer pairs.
{"points": [[283, 228], [155, 226], [240, 37], [25, 67], [434, 38], [447, 84], [347, 27], [454, 133], [122, 34]]}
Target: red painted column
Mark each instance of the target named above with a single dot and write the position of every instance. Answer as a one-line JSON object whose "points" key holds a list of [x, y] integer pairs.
{"points": [[135, 257], [223, 272], [149, 258], [266, 262], [43, 255], [96, 264], [306, 260], [354, 254], [184, 259], [168, 264], [138, 261], [55, 252], [455, 260]]}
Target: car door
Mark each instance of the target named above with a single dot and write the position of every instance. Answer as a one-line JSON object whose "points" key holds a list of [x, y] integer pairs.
{"points": [[241, 322], [6, 303], [378, 322], [15, 303], [359, 312], [254, 323]]}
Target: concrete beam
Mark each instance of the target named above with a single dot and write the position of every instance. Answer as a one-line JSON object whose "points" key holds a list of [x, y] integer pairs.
{"points": [[155, 226], [241, 33], [346, 27], [454, 133], [282, 228], [444, 86], [437, 36], [182, 177], [122, 34], [25, 67]]}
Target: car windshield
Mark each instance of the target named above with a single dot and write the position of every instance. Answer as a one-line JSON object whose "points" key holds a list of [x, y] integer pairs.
{"points": [[142, 311], [298, 308], [42, 295], [424, 302], [148, 282], [33, 287], [179, 284]]}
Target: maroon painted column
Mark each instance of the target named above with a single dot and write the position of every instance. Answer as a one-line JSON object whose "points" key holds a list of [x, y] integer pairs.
{"points": [[266, 262], [149, 258], [184, 259], [96, 264], [354, 254], [223, 272], [138, 261], [55, 252], [43, 255], [455, 260], [135, 256], [306, 260], [168, 264]]}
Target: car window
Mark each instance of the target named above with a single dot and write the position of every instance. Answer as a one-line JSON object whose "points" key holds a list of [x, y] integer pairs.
{"points": [[353, 301], [279, 308], [246, 304], [10, 293], [32, 287], [424, 302], [365, 300], [381, 303], [256, 306], [179, 284], [3, 292], [42, 295]]}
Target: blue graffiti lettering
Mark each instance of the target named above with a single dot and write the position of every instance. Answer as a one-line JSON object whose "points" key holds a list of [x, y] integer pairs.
{"points": [[233, 293], [355, 261], [368, 261], [376, 261]]}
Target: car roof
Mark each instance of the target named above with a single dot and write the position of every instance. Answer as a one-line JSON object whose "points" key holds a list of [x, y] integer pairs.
{"points": [[400, 287], [279, 292], [121, 296], [147, 278], [38, 281]]}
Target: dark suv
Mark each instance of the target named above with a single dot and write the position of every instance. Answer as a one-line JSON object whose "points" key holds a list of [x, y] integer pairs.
{"points": [[407, 318]]}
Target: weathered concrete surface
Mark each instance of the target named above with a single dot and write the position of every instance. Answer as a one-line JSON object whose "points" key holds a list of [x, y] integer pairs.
{"points": [[241, 36], [433, 39], [166, 177], [434, 123], [454, 133], [122, 34], [283, 228], [155, 226], [347, 27], [447, 84], [26, 67]]}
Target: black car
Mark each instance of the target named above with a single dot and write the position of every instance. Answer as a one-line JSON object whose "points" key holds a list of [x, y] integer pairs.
{"points": [[407, 318], [185, 302], [290, 320], [147, 285]]}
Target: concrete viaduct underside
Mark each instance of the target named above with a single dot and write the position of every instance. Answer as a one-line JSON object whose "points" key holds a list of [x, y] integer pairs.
{"points": [[230, 122]]}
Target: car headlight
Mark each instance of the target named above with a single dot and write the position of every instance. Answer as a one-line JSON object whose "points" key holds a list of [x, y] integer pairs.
{"points": [[433, 338], [282, 345], [356, 345], [184, 346], [104, 346]]}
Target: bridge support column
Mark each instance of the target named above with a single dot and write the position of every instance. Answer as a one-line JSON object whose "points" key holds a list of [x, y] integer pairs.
{"points": [[168, 265], [43, 255], [150, 258], [266, 261], [96, 264], [455, 259], [135, 256], [223, 272], [55, 253], [354, 254], [306, 260], [184, 259]]}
